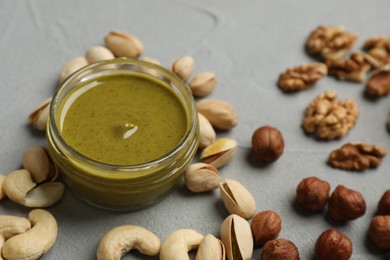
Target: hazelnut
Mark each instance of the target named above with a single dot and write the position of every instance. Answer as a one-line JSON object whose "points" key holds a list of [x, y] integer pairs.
{"points": [[346, 204], [267, 144], [384, 204], [332, 244], [313, 193], [280, 249], [266, 226], [379, 231]]}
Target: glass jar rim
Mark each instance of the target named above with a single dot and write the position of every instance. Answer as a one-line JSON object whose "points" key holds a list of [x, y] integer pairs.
{"points": [[114, 168]]}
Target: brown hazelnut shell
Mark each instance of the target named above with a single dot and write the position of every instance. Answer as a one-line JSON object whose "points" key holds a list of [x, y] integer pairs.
{"points": [[346, 204], [265, 225], [267, 144], [278, 249], [332, 244], [379, 231], [313, 193]]}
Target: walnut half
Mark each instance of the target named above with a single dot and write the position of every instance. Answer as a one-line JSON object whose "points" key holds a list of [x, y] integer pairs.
{"points": [[328, 118], [330, 42], [379, 83], [302, 77], [355, 68], [356, 156], [379, 48]]}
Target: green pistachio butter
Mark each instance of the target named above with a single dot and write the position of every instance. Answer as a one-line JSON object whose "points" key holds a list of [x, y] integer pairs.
{"points": [[123, 119]]}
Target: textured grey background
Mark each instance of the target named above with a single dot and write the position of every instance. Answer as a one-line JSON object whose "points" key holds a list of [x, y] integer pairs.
{"points": [[247, 44]]}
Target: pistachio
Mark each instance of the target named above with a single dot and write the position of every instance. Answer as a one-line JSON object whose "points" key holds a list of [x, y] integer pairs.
{"points": [[206, 132], [72, 66], [124, 44], [152, 60], [211, 248], [98, 53], [152, 71], [219, 153], [183, 67], [237, 199], [203, 83], [38, 118], [236, 235], [220, 113], [37, 161], [201, 177]]}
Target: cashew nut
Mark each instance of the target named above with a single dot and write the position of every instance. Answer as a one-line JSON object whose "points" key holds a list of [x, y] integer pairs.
{"points": [[36, 160], [120, 240], [2, 193], [178, 243], [11, 226], [35, 242], [20, 188]]}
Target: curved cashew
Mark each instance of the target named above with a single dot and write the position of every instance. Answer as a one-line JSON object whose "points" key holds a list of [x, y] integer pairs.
{"points": [[2, 193], [20, 188], [178, 243], [11, 226], [17, 184], [35, 242], [120, 240], [37, 162], [44, 195]]}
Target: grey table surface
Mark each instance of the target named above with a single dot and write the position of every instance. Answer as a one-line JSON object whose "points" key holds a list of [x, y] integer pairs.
{"points": [[247, 44]]}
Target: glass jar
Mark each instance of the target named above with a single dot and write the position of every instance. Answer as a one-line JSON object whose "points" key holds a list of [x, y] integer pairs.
{"points": [[122, 187]]}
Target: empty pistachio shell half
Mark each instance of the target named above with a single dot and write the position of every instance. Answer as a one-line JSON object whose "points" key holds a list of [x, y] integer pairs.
{"points": [[236, 235], [220, 113], [201, 177], [98, 53], [219, 153], [124, 44], [211, 248], [72, 66], [237, 199], [203, 83], [207, 133], [38, 118], [183, 67]]}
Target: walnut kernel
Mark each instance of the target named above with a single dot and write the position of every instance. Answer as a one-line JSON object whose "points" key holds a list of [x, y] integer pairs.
{"points": [[356, 156], [354, 69], [379, 83], [313, 193], [328, 118], [302, 77], [330, 42], [379, 48], [346, 204], [332, 244]]}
